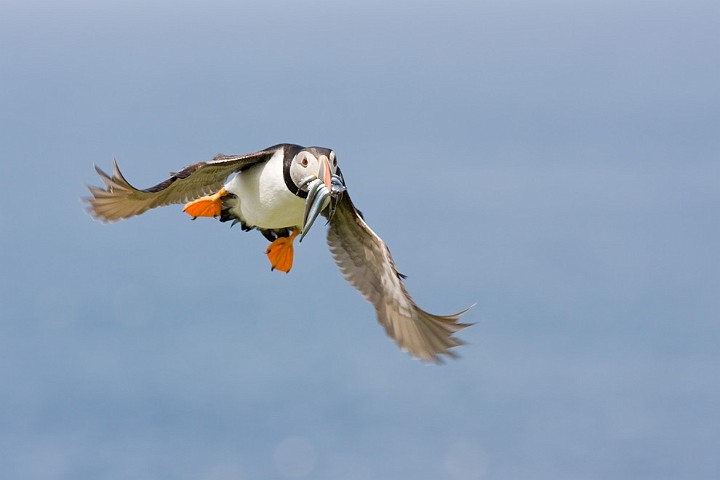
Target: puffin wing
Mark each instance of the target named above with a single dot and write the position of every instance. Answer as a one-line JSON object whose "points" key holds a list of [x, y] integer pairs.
{"points": [[365, 262], [120, 200]]}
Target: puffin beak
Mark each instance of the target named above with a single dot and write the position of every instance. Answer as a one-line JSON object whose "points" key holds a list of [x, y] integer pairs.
{"points": [[319, 192], [324, 172]]}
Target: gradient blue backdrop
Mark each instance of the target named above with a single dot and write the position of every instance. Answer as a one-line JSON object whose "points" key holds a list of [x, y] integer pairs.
{"points": [[556, 162]]}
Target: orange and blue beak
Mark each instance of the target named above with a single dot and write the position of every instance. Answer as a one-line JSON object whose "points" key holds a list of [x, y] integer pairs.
{"points": [[320, 191], [324, 173]]}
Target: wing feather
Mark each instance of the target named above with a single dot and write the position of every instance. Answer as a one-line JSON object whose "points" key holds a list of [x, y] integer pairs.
{"points": [[119, 199], [365, 261]]}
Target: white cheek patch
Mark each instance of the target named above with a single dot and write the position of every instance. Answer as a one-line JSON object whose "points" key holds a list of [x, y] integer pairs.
{"points": [[333, 161], [298, 172]]}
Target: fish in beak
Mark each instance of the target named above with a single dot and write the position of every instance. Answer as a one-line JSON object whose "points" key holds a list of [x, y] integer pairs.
{"points": [[320, 191]]}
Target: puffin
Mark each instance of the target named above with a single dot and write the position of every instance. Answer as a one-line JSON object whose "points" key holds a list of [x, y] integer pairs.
{"points": [[280, 191]]}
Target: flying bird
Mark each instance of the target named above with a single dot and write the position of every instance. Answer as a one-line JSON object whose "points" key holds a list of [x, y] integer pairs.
{"points": [[280, 191]]}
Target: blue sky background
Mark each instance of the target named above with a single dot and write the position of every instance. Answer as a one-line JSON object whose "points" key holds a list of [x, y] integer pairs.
{"points": [[554, 161]]}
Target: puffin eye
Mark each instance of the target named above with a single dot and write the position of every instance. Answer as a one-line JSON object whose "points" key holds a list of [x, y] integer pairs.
{"points": [[304, 162]]}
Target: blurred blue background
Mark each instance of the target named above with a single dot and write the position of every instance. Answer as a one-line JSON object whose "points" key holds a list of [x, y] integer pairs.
{"points": [[554, 161]]}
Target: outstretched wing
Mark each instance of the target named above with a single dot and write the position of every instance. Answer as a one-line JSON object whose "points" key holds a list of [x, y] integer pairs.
{"points": [[365, 262], [119, 199]]}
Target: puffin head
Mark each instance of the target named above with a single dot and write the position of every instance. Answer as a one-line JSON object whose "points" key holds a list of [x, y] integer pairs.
{"points": [[315, 173]]}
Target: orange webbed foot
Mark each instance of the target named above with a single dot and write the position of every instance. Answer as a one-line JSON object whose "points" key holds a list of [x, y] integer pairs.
{"points": [[281, 252], [210, 206]]}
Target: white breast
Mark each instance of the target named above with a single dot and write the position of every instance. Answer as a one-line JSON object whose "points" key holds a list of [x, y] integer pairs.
{"points": [[264, 200]]}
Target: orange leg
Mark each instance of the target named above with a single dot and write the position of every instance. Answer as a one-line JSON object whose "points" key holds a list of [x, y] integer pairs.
{"points": [[209, 206], [280, 252]]}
